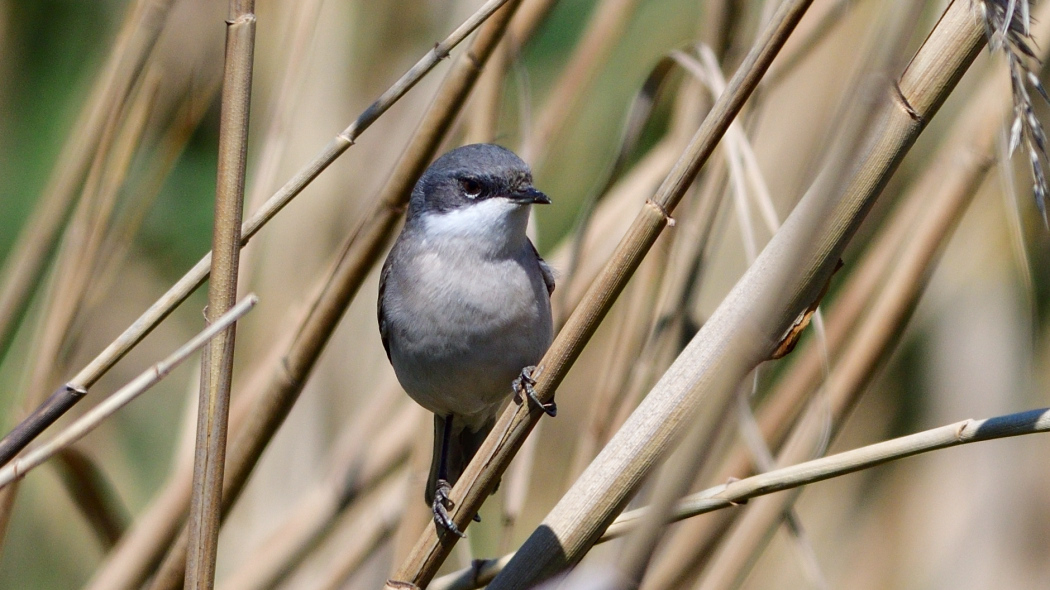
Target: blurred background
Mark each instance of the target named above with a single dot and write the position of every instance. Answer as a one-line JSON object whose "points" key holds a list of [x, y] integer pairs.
{"points": [[973, 517]]}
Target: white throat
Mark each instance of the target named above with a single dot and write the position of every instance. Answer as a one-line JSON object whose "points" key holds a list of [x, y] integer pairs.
{"points": [[493, 224]]}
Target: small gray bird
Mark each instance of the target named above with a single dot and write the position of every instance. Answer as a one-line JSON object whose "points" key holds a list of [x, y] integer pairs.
{"points": [[464, 302]]}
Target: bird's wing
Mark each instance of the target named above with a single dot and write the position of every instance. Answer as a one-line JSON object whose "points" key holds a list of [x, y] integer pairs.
{"points": [[384, 331], [545, 270]]}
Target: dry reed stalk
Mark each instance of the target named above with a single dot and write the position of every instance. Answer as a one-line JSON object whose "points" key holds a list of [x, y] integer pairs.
{"points": [[140, 550], [375, 524], [147, 186], [946, 191], [633, 324], [747, 182], [353, 472], [17, 468], [743, 331], [604, 30], [217, 359], [690, 544], [65, 295], [823, 20], [483, 123], [24, 267], [336, 147], [94, 495], [529, 18], [356, 259], [682, 469], [81, 244], [275, 138], [739, 492], [416, 514], [926, 216], [515, 424], [682, 552]]}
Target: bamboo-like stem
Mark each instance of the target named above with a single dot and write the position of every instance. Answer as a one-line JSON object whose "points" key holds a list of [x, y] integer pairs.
{"points": [[946, 191], [679, 475], [482, 474], [950, 435], [89, 421], [360, 252], [213, 410], [927, 217], [196, 276], [745, 330], [22, 270], [737, 493]]}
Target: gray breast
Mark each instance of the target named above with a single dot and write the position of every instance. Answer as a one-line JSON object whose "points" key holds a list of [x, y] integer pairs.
{"points": [[465, 325]]}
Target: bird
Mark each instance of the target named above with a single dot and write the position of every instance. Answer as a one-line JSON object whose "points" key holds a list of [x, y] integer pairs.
{"points": [[464, 303]]}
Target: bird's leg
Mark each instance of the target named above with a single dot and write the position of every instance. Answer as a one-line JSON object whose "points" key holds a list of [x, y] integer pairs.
{"points": [[442, 503], [524, 385]]}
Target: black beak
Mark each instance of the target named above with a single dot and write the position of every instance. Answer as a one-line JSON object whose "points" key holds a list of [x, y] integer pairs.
{"points": [[530, 196]]}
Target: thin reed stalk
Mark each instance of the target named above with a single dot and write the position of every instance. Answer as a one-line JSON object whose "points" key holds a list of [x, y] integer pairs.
{"points": [[24, 267], [18, 468], [737, 493], [217, 365]]}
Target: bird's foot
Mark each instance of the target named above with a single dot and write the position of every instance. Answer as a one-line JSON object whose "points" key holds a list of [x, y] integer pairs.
{"points": [[442, 504], [523, 388]]}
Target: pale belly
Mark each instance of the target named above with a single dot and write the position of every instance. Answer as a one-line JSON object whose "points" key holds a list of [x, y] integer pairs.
{"points": [[464, 334]]}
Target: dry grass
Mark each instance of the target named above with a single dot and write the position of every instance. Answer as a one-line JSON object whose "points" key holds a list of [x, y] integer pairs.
{"points": [[323, 482]]}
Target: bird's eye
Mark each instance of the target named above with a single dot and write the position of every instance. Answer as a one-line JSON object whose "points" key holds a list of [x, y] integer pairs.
{"points": [[471, 187]]}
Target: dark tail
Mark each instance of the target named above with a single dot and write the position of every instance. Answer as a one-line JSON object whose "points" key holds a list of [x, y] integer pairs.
{"points": [[463, 444]]}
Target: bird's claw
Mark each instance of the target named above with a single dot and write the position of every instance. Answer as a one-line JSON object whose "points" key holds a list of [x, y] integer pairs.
{"points": [[442, 504], [524, 385]]}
